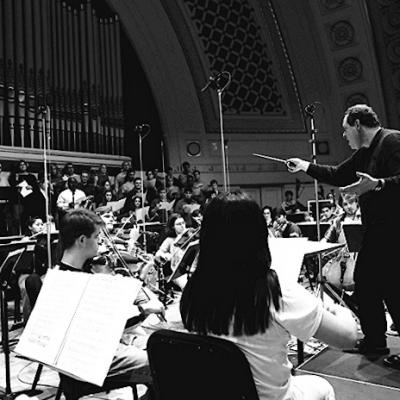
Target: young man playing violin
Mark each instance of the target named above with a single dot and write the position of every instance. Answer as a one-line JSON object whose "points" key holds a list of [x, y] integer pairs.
{"points": [[78, 236]]}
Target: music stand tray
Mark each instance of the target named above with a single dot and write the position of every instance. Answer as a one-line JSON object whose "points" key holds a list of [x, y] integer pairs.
{"points": [[354, 234]]}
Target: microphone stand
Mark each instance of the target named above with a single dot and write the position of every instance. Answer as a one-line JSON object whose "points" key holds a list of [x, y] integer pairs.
{"points": [[215, 83], [163, 163], [310, 111], [323, 286], [46, 147], [139, 129]]}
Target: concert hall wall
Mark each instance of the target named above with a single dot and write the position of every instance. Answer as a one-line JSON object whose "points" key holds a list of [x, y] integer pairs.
{"points": [[282, 55]]}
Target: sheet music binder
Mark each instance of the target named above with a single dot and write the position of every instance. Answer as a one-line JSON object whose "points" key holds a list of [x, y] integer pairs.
{"points": [[78, 337]]}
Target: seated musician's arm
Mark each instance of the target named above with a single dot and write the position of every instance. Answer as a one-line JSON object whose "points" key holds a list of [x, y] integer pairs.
{"points": [[147, 305], [332, 234], [62, 202], [304, 316], [165, 249]]}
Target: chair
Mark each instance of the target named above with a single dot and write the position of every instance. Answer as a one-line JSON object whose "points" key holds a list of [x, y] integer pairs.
{"points": [[187, 366], [74, 389]]}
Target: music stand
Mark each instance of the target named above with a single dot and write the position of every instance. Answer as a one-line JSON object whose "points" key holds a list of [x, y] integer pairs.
{"points": [[309, 229], [6, 270], [6, 193], [354, 234], [296, 217], [186, 261]]}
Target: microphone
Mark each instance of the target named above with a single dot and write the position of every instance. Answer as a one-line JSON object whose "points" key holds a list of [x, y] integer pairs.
{"points": [[42, 109], [212, 79], [140, 127], [310, 109]]}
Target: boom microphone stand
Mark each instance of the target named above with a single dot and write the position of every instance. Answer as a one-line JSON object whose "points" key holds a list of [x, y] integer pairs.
{"points": [[220, 82]]}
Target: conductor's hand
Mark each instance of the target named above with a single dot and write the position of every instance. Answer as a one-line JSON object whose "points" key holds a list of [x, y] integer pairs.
{"points": [[297, 164], [365, 184]]}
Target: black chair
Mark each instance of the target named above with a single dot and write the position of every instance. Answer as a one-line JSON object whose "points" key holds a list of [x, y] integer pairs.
{"points": [[74, 389], [186, 366]]}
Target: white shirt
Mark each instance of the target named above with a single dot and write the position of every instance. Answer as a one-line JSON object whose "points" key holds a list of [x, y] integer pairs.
{"points": [[300, 316], [66, 197]]}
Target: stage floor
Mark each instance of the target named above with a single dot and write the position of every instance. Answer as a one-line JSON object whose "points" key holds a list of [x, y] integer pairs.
{"points": [[354, 376]]}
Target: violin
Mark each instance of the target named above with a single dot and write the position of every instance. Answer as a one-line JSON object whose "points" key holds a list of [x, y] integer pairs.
{"points": [[187, 237]]}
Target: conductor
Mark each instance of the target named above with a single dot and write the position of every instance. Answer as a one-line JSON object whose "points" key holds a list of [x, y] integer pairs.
{"points": [[373, 173]]}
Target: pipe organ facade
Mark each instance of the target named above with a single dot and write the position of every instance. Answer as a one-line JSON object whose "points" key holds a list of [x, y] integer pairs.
{"points": [[65, 55]]}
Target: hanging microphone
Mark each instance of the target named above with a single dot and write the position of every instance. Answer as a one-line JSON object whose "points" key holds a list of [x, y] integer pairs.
{"points": [[212, 79]]}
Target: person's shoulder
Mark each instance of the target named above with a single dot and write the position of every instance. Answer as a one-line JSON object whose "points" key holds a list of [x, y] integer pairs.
{"points": [[391, 137]]}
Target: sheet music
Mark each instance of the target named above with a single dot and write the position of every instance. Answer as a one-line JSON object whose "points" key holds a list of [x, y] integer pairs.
{"points": [[165, 205], [25, 188], [288, 254], [116, 205], [287, 257], [141, 213], [97, 326], [77, 322], [51, 316]]}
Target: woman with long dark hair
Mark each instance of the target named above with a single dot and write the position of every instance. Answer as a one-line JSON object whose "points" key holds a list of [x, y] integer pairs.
{"points": [[169, 254], [234, 294]]}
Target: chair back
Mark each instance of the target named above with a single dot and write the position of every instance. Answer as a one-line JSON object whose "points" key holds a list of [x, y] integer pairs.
{"points": [[188, 366]]}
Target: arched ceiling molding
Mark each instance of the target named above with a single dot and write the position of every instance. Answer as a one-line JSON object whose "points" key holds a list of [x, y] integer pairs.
{"points": [[150, 32], [243, 38], [385, 19]]}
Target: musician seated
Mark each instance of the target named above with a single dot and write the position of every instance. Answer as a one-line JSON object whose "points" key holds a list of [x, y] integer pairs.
{"points": [[169, 254], [70, 198], [79, 233], [284, 228], [328, 212], [351, 214], [233, 294], [27, 267]]}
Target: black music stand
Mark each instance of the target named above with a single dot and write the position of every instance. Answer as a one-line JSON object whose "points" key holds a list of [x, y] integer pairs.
{"points": [[186, 261], [6, 271], [309, 229], [354, 234], [6, 193]]}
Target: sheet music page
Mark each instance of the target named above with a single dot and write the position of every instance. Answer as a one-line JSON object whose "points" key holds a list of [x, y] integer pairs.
{"points": [[287, 257], [141, 213], [165, 205], [97, 326], [116, 205], [51, 316], [25, 191]]}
